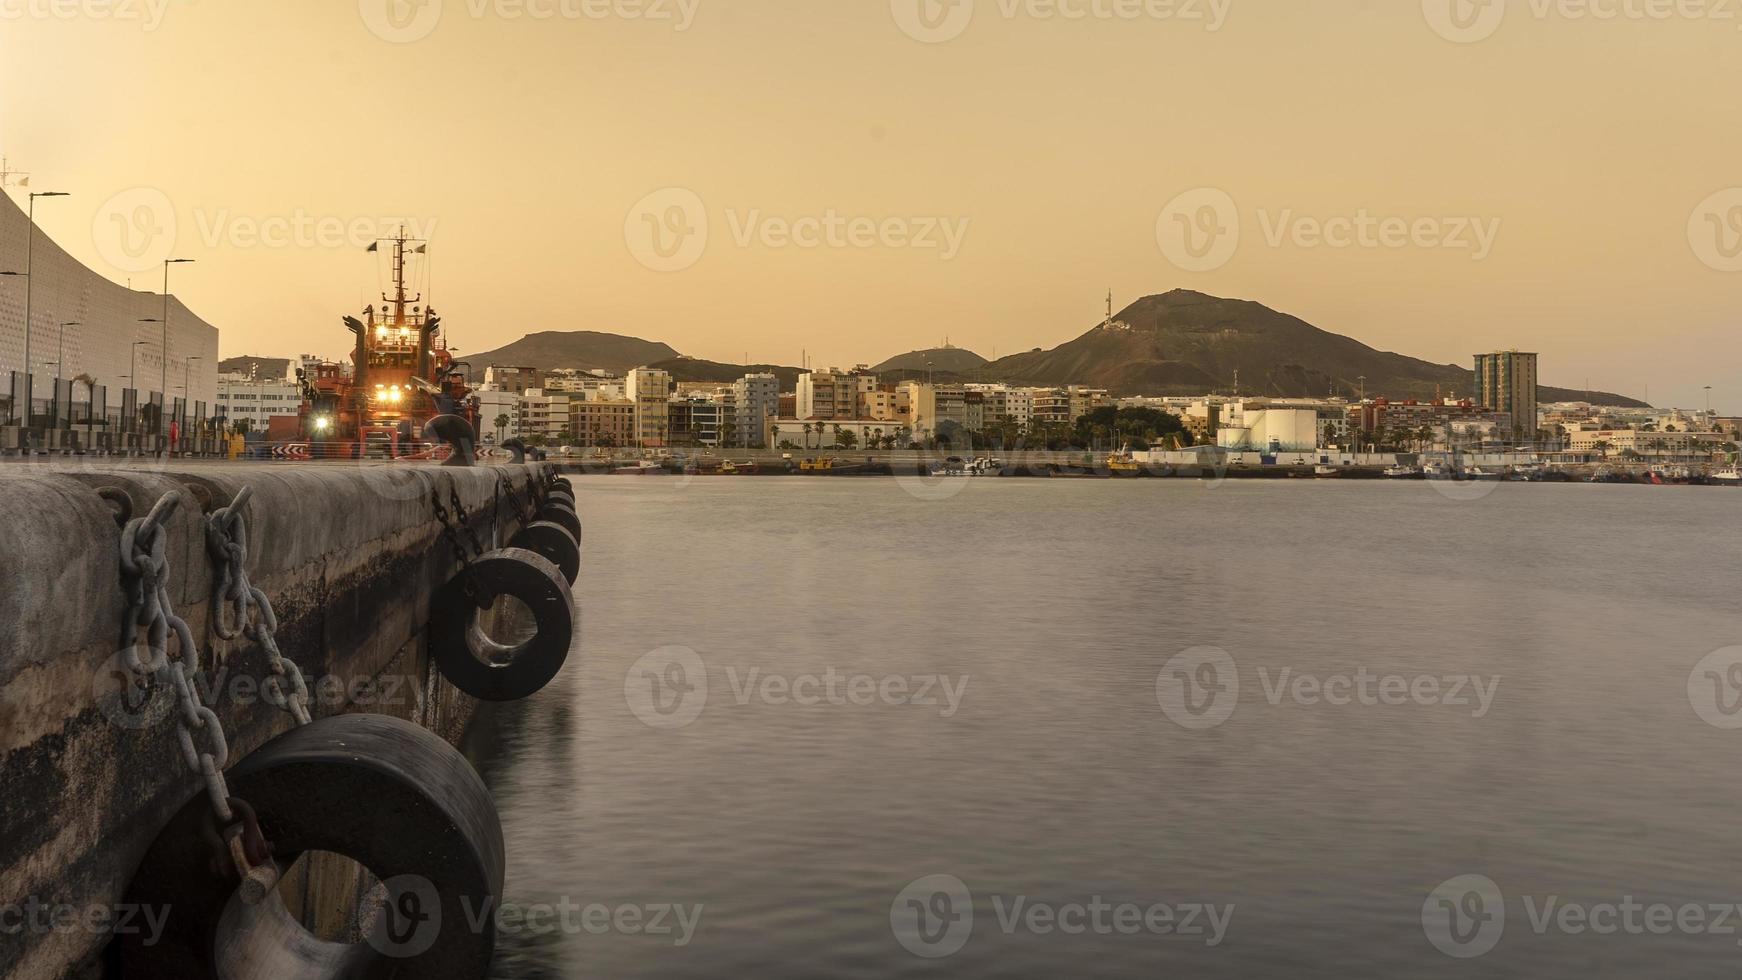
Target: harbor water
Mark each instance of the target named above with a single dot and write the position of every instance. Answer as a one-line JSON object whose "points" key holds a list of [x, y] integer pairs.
{"points": [[1007, 728]]}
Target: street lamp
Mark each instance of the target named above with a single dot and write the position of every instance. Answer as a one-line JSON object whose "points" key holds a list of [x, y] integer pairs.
{"points": [[29, 255], [166, 264], [133, 363], [187, 374]]}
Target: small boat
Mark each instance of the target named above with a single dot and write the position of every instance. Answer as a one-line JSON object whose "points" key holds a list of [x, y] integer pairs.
{"points": [[1325, 471], [1481, 474], [1729, 476], [954, 466], [986, 466], [1122, 463], [1437, 470], [1402, 472]]}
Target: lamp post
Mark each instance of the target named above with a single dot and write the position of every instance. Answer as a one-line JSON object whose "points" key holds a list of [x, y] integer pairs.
{"points": [[166, 264], [133, 361]]}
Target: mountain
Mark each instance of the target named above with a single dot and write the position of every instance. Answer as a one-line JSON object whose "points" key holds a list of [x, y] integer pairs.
{"points": [[250, 366], [1185, 343], [714, 372], [586, 350], [952, 360]]}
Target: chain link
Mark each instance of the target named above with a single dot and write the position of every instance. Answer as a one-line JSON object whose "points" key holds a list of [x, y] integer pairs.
{"points": [[451, 530], [234, 596], [145, 576]]}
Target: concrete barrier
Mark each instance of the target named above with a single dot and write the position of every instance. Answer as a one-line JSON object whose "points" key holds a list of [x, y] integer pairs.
{"points": [[349, 554]]}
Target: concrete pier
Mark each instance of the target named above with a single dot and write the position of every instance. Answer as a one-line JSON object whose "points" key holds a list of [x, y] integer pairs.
{"points": [[348, 553]]}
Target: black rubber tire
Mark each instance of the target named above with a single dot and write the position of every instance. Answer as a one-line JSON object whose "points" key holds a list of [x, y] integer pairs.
{"points": [[459, 648], [386, 793]]}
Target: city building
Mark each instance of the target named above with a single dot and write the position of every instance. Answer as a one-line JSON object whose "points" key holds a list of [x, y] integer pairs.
{"points": [[257, 402], [603, 422], [699, 419], [756, 398], [1506, 382], [1271, 430], [514, 378], [834, 394], [544, 416], [96, 326], [650, 390], [498, 414], [1648, 444]]}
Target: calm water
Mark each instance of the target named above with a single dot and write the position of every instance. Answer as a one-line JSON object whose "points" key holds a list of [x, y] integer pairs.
{"points": [[1589, 780]]}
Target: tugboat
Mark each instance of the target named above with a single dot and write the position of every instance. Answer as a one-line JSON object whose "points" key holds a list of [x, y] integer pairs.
{"points": [[401, 375]]}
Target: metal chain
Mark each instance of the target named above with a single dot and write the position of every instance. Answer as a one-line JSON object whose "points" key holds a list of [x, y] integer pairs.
{"points": [[233, 594], [145, 576], [460, 510], [451, 531], [513, 496]]}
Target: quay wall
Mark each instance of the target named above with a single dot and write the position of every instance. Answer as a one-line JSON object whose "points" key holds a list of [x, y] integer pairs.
{"points": [[348, 553]]}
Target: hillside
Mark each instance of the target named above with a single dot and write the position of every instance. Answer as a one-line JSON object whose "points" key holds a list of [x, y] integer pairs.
{"points": [[1184, 343], [694, 369], [950, 360], [587, 350]]}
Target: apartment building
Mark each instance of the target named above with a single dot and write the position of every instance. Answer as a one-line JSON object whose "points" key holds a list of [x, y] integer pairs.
{"points": [[756, 400], [650, 390], [607, 422], [1506, 382]]}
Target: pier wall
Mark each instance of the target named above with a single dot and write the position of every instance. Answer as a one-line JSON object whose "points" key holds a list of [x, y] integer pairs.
{"points": [[349, 555]]}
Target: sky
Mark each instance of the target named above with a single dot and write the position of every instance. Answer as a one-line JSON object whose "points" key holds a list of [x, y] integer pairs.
{"points": [[847, 180]]}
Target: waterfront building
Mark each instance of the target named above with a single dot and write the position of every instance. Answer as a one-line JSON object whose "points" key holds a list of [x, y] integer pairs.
{"points": [[1271, 430], [699, 419], [545, 416], [516, 379], [255, 401], [650, 390], [600, 384], [101, 325], [1506, 382], [607, 422], [498, 403], [1442, 421], [756, 398], [834, 394], [1648, 443]]}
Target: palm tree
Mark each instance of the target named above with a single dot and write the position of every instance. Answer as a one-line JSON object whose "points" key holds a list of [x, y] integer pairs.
{"points": [[501, 423]]}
